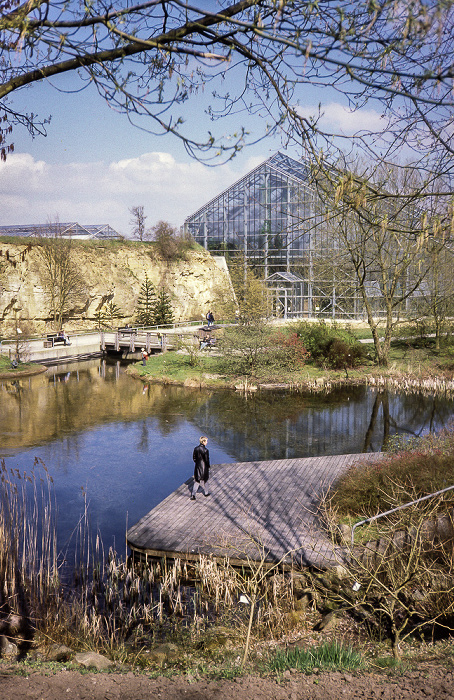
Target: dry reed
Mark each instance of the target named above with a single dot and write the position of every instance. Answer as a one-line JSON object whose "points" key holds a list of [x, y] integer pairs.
{"points": [[100, 600]]}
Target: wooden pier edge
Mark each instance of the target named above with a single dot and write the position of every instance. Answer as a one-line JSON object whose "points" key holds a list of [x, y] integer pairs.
{"points": [[254, 507], [156, 554]]}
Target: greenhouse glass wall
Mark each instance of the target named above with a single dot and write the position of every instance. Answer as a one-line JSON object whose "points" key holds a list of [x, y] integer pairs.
{"points": [[273, 219]]}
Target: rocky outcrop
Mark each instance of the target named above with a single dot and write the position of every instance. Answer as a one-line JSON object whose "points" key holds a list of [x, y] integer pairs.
{"points": [[111, 272]]}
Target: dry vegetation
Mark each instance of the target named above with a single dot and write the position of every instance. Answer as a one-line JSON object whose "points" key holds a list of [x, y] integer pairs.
{"points": [[398, 582]]}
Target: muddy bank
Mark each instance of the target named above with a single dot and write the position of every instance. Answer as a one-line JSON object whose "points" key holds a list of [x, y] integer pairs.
{"points": [[422, 683]]}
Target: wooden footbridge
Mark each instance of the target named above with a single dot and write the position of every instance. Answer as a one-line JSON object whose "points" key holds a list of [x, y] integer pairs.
{"points": [[132, 340], [127, 341], [254, 509]]}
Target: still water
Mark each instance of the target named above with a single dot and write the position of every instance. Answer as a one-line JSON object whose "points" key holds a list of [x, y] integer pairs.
{"points": [[124, 446]]}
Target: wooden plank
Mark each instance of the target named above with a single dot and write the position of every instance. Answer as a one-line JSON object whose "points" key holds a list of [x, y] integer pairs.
{"points": [[271, 503]]}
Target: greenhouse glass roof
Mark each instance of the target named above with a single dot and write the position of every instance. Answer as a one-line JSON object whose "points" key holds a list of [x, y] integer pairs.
{"points": [[65, 230], [268, 214]]}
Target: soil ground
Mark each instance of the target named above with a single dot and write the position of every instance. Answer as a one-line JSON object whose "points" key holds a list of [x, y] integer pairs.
{"points": [[422, 684]]}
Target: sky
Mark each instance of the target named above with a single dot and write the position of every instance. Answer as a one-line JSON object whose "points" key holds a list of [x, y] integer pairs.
{"points": [[94, 166]]}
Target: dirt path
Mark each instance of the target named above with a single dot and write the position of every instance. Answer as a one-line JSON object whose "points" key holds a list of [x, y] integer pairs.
{"points": [[421, 684]]}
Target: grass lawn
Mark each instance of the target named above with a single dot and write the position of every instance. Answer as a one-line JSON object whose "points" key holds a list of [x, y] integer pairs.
{"points": [[404, 360], [176, 367], [23, 367]]}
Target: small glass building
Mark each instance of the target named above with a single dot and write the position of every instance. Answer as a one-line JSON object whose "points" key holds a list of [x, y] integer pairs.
{"points": [[287, 294]]}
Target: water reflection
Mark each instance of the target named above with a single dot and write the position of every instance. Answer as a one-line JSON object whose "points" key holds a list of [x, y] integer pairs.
{"points": [[75, 398], [349, 420], [127, 446]]}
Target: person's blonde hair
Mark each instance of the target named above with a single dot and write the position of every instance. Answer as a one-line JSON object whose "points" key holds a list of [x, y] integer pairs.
{"points": [[203, 440]]}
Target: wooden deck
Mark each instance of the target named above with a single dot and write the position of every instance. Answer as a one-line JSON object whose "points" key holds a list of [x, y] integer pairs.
{"points": [[252, 505]]}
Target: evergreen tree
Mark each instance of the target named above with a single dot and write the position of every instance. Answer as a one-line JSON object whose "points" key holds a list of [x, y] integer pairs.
{"points": [[163, 314], [146, 301]]}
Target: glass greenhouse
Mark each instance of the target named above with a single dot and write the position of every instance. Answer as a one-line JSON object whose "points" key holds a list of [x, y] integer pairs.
{"points": [[69, 230], [272, 217]]}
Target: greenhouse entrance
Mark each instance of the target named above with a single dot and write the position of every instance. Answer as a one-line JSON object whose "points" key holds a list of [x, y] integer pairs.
{"points": [[287, 294]]}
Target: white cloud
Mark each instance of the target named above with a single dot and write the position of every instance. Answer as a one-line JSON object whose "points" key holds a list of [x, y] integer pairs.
{"points": [[33, 191], [338, 118]]}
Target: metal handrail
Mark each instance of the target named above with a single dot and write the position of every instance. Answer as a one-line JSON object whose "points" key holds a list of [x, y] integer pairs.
{"points": [[393, 510]]}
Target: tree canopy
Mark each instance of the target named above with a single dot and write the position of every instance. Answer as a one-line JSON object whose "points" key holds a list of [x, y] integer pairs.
{"points": [[149, 59]]}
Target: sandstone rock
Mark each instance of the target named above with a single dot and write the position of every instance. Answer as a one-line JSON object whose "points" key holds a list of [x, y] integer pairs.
{"points": [[113, 273], [162, 654], [58, 652], [303, 602], [91, 659], [7, 648], [327, 622], [344, 533], [340, 571], [156, 656]]}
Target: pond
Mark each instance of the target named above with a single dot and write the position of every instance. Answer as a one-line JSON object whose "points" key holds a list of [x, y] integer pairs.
{"points": [[122, 447]]}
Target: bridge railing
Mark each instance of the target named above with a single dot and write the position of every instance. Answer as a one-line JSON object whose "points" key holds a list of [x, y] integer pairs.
{"points": [[166, 332]]}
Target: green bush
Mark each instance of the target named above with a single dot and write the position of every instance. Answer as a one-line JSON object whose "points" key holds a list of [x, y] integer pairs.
{"points": [[339, 354], [258, 350], [330, 345], [171, 246]]}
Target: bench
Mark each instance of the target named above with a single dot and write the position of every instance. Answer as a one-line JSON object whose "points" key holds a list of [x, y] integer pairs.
{"points": [[207, 343], [53, 339]]}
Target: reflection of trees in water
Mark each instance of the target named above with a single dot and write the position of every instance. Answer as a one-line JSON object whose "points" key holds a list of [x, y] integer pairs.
{"points": [[176, 405], [61, 453], [285, 425], [405, 414], [142, 445], [53, 405], [264, 425], [431, 412]]}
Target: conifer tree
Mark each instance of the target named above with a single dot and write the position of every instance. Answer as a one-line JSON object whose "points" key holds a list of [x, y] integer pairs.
{"points": [[163, 314], [146, 301]]}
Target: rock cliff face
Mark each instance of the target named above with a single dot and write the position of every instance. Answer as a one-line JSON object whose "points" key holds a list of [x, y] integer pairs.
{"points": [[111, 272]]}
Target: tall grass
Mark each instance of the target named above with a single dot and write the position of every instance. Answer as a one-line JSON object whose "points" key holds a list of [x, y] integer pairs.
{"points": [[86, 598], [329, 656], [28, 553]]}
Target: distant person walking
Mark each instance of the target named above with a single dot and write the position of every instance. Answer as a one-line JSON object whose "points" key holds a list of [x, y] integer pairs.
{"points": [[201, 457], [210, 318], [144, 356]]}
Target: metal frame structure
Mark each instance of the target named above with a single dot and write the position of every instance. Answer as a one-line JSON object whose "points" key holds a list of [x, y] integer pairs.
{"points": [[273, 218], [287, 294], [69, 230]]}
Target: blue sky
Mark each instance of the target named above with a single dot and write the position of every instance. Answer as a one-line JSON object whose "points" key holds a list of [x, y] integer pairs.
{"points": [[93, 166]]}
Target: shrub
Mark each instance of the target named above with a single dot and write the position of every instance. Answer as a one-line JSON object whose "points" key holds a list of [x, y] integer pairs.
{"points": [[330, 345], [245, 349], [339, 354], [289, 350], [255, 349], [169, 243], [427, 466]]}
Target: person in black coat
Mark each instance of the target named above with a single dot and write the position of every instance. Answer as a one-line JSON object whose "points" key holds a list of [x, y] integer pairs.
{"points": [[201, 457]]}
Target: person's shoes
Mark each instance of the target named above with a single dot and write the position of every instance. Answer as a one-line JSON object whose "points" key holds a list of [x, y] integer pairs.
{"points": [[206, 494], [192, 498]]}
